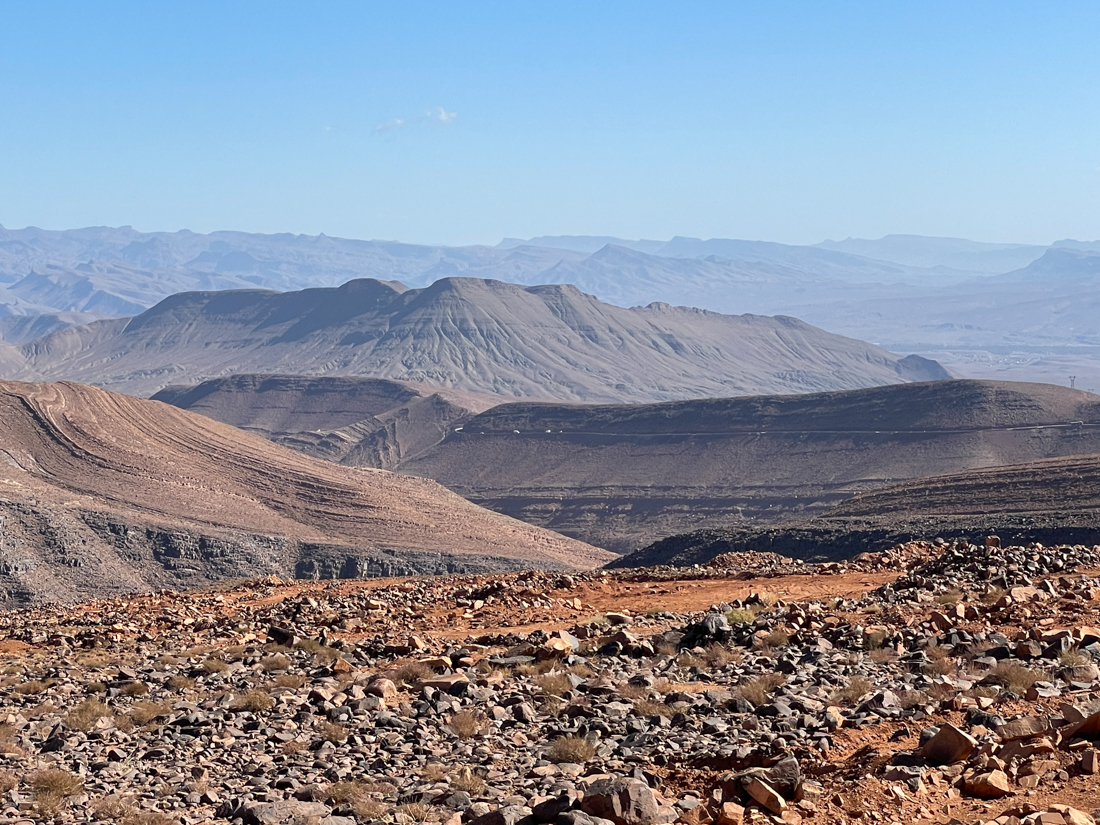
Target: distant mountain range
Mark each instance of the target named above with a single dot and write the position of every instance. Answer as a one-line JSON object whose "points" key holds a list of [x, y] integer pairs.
{"points": [[983, 310], [551, 342]]}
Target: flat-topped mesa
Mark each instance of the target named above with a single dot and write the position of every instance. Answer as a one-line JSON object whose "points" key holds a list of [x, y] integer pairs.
{"points": [[551, 341]]}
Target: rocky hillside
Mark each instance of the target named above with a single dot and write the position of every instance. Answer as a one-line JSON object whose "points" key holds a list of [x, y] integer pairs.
{"points": [[103, 493], [934, 683], [472, 335]]}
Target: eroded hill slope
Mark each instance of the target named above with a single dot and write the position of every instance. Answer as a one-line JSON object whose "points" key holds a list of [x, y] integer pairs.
{"points": [[101, 492]]}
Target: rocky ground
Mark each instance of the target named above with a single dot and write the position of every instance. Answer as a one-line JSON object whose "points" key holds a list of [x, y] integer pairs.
{"points": [[933, 683]]}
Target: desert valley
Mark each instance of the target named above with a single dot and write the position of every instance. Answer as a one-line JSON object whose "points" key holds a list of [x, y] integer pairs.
{"points": [[549, 414]]}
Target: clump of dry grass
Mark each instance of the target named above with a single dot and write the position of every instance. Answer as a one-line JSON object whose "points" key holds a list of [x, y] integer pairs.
{"points": [[582, 670], [434, 772], [320, 652], [882, 655], [554, 684], [856, 689], [1016, 677], [535, 668], [571, 749], [294, 746], [464, 779], [145, 712], [288, 680], [413, 812], [134, 689], [941, 661], [688, 660], [167, 660], [774, 639], [53, 788], [355, 794], [31, 688], [466, 724], [84, 716], [8, 781], [993, 595], [95, 687], [719, 655], [180, 683], [412, 673], [214, 665], [332, 732], [741, 615], [647, 708], [632, 692], [254, 701], [122, 811], [1074, 658], [270, 664], [948, 597], [756, 691]]}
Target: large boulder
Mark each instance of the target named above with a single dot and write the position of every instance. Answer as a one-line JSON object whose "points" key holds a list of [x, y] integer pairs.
{"points": [[623, 801]]}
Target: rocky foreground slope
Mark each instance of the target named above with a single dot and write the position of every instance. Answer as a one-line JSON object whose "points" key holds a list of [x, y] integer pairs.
{"points": [[933, 683], [472, 335], [104, 493]]}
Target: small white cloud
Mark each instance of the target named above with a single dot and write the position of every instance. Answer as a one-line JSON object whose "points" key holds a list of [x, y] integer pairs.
{"points": [[437, 116], [441, 116], [389, 126]]}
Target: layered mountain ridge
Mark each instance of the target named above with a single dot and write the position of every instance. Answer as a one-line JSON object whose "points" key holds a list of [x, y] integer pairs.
{"points": [[550, 341]]}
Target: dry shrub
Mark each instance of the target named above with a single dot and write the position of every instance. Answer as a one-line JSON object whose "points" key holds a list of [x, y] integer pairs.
{"points": [[632, 692], [122, 811], [357, 796], [412, 673], [255, 701], [940, 693], [84, 716], [1074, 658], [332, 732], [434, 772], [8, 781], [320, 652], [1016, 677], [464, 779], [167, 660], [134, 689], [554, 684], [941, 663], [719, 655], [180, 683], [741, 615], [882, 655], [690, 660], [535, 668], [856, 689], [53, 789], [95, 687], [273, 663], [582, 670], [952, 596], [647, 708], [571, 749], [145, 712], [466, 724], [759, 689], [413, 812], [767, 598], [993, 595], [31, 688], [235, 652], [214, 665], [294, 746], [777, 638], [94, 660]]}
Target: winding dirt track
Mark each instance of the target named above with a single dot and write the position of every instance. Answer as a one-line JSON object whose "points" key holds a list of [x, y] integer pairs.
{"points": [[83, 447]]}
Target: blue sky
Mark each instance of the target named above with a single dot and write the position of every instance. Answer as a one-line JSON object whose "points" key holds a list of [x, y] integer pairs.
{"points": [[468, 122]]}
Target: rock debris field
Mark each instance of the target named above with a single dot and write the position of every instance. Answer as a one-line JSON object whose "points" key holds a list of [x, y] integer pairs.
{"points": [[937, 682]]}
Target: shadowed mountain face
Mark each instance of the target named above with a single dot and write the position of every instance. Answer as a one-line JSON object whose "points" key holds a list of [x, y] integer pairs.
{"points": [[620, 476], [105, 493], [470, 335], [362, 422]]}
